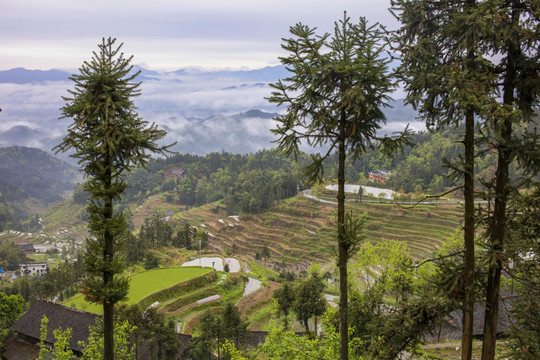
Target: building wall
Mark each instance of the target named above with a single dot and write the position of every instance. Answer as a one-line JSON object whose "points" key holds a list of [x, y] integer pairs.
{"points": [[34, 269]]}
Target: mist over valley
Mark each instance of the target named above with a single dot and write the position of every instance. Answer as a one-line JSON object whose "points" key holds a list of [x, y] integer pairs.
{"points": [[202, 110]]}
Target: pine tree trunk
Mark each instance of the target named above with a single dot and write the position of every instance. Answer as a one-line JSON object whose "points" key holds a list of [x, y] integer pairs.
{"points": [[108, 277], [468, 229], [342, 257], [108, 323], [497, 235], [497, 231], [468, 258]]}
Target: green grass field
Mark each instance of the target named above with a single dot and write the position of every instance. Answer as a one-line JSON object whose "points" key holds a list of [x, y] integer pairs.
{"points": [[143, 284]]}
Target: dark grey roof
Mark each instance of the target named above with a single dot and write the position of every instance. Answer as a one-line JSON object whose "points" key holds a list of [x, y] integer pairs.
{"points": [[27, 247], [503, 322], [451, 328], [65, 317], [59, 316], [17, 349]]}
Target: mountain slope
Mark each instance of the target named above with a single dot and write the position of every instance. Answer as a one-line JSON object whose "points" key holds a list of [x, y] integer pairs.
{"points": [[32, 173], [22, 136]]}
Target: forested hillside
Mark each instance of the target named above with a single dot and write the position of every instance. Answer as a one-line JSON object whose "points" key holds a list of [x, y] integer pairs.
{"points": [[30, 174], [251, 183], [247, 183]]}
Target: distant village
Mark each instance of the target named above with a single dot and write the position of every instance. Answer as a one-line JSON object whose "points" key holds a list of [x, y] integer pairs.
{"points": [[61, 246]]}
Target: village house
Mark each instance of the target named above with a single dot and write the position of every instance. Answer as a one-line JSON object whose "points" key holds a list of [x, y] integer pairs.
{"points": [[378, 176], [25, 345], [451, 328], [27, 248], [34, 268], [174, 172]]}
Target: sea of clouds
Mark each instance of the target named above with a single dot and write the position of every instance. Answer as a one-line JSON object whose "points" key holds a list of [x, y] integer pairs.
{"points": [[202, 111]]}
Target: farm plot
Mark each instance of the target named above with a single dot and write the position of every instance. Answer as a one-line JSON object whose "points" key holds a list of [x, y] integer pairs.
{"points": [[215, 262], [144, 284]]}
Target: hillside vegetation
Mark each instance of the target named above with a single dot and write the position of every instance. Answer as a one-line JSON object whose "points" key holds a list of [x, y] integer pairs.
{"points": [[31, 180], [252, 183], [258, 188], [28, 172]]}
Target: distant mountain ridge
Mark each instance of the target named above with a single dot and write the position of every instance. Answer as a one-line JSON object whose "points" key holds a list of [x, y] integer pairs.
{"points": [[24, 76], [266, 74], [22, 135]]}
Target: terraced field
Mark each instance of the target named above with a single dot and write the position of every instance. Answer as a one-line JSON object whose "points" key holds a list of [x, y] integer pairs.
{"points": [[61, 228], [153, 204], [181, 293], [301, 231], [212, 297], [148, 284], [63, 221]]}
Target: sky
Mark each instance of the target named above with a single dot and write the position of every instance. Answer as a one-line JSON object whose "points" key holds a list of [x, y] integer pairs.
{"points": [[166, 35]]}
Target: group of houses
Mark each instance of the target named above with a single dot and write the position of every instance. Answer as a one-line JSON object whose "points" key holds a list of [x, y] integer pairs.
{"points": [[28, 269]]}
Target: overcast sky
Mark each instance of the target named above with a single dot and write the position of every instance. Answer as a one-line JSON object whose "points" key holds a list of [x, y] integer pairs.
{"points": [[165, 34]]}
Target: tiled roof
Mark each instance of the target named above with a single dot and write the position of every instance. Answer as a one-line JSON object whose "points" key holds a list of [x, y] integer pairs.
{"points": [[451, 328], [503, 323], [20, 350], [27, 247], [59, 316]]}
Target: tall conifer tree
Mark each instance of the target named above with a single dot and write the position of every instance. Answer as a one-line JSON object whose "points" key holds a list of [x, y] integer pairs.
{"points": [[108, 137], [459, 59], [334, 96], [511, 30], [443, 83]]}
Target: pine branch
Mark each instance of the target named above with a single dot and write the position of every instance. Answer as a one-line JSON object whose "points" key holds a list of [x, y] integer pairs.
{"points": [[416, 266], [427, 197]]}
